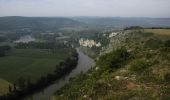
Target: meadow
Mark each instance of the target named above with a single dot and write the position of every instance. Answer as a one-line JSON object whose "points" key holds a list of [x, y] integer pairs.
{"points": [[32, 63], [164, 33]]}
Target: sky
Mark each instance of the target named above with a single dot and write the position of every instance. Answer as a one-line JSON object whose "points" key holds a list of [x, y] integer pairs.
{"points": [[103, 8]]}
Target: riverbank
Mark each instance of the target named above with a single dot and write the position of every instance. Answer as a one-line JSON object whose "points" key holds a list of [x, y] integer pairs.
{"points": [[84, 64], [27, 87]]}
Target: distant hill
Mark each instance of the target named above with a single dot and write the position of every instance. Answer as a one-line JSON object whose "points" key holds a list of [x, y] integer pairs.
{"points": [[125, 21], [36, 23], [16, 23]]}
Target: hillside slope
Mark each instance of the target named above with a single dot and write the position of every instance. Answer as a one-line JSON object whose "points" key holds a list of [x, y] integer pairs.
{"points": [[120, 22], [137, 68], [36, 23]]}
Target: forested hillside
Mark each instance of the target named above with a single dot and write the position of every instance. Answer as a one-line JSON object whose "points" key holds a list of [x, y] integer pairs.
{"points": [[120, 22], [36, 23]]}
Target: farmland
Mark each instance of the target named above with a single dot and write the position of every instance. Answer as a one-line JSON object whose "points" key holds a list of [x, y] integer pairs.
{"points": [[32, 63]]}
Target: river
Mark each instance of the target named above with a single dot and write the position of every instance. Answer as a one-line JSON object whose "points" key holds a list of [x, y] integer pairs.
{"points": [[84, 64]]}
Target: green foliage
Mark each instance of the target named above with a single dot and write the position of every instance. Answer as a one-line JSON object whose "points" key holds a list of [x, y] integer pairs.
{"points": [[114, 59], [139, 65], [167, 77], [4, 49], [31, 62], [36, 23], [142, 73], [153, 43], [167, 43], [133, 28], [165, 91], [3, 38], [41, 45], [21, 82]]}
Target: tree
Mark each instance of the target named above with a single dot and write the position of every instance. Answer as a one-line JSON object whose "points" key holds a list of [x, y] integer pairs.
{"points": [[167, 43], [10, 88], [29, 81], [4, 49], [15, 88], [21, 83]]}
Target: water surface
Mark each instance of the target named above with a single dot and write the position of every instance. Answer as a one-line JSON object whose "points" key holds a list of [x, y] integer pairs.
{"points": [[84, 64]]}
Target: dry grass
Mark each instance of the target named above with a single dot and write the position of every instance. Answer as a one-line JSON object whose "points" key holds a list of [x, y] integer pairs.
{"points": [[160, 32], [4, 87]]}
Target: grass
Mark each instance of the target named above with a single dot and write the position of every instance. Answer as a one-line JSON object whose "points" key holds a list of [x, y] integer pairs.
{"points": [[4, 87], [6, 43], [32, 63], [165, 33]]}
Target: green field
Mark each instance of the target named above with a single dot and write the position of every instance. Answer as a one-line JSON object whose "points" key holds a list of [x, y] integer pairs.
{"points": [[6, 43], [32, 63]]}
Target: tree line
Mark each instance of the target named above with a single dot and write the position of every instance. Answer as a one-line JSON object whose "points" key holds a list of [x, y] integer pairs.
{"points": [[3, 50], [139, 27], [25, 87], [41, 45]]}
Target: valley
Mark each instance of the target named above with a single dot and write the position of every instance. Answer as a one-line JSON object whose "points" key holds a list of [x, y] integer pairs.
{"points": [[77, 59]]}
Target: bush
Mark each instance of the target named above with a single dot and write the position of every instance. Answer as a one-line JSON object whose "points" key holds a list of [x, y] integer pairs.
{"points": [[139, 65], [114, 59], [153, 43], [167, 43], [167, 77]]}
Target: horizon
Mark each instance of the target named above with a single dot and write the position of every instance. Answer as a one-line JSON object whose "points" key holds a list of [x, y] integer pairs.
{"points": [[86, 17]]}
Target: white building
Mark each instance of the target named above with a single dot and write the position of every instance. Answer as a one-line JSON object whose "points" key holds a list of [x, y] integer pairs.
{"points": [[89, 43]]}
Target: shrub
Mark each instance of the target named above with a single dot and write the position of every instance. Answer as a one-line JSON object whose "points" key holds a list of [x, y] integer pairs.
{"points": [[167, 43], [153, 43], [167, 77], [114, 59], [139, 65]]}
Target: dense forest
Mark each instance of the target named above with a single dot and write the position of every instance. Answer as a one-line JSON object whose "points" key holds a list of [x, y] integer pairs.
{"points": [[36, 23]]}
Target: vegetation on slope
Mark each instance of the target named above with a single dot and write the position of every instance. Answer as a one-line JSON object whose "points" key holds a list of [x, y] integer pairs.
{"points": [[4, 49], [36, 23], [23, 81], [163, 33], [138, 68]]}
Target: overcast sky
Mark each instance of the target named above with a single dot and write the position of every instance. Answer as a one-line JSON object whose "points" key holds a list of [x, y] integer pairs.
{"points": [[115, 8]]}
